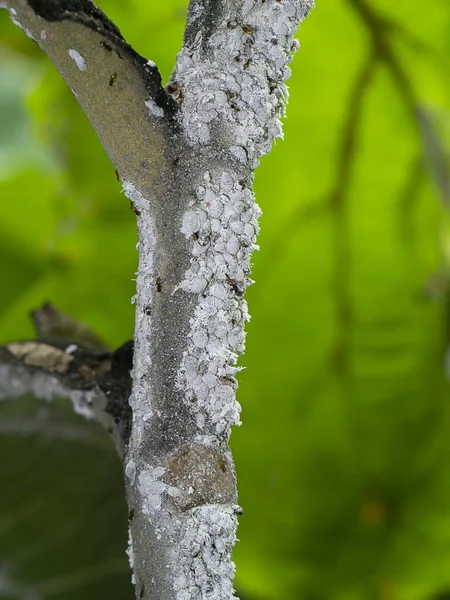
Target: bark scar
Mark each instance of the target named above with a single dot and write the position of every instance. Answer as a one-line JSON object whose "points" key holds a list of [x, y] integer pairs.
{"points": [[202, 475]]}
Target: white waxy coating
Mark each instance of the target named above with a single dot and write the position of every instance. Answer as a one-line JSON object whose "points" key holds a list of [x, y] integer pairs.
{"points": [[206, 570], [217, 329], [79, 60], [140, 400], [154, 109], [130, 555], [240, 78]]}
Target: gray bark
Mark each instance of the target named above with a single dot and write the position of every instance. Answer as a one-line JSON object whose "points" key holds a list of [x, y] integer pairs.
{"points": [[186, 155]]}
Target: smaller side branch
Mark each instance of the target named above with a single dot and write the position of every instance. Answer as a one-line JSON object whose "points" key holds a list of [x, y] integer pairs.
{"points": [[119, 90]]}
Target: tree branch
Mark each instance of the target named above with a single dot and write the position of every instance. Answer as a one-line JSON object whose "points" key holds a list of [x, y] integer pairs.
{"points": [[188, 168], [196, 239], [106, 75]]}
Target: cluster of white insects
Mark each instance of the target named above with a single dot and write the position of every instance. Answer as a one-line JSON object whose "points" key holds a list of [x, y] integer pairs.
{"points": [[223, 224], [239, 79], [207, 571]]}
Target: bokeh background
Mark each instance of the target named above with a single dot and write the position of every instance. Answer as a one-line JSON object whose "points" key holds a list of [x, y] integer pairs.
{"points": [[344, 456]]}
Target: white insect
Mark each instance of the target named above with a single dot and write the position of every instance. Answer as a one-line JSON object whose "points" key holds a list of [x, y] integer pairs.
{"points": [[79, 60]]}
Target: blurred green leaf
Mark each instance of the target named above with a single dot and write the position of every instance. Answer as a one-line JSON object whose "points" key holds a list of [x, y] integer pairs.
{"points": [[17, 146]]}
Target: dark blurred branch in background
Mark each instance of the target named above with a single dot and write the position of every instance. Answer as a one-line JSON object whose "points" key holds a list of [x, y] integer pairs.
{"points": [[64, 363]]}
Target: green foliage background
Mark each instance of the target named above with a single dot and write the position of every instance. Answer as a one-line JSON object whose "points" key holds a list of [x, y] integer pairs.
{"points": [[343, 458]]}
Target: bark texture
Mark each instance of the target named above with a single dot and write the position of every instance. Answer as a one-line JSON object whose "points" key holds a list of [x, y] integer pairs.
{"points": [[186, 155]]}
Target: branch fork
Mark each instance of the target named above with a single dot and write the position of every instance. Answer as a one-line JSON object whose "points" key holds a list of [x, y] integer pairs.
{"points": [[186, 156]]}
